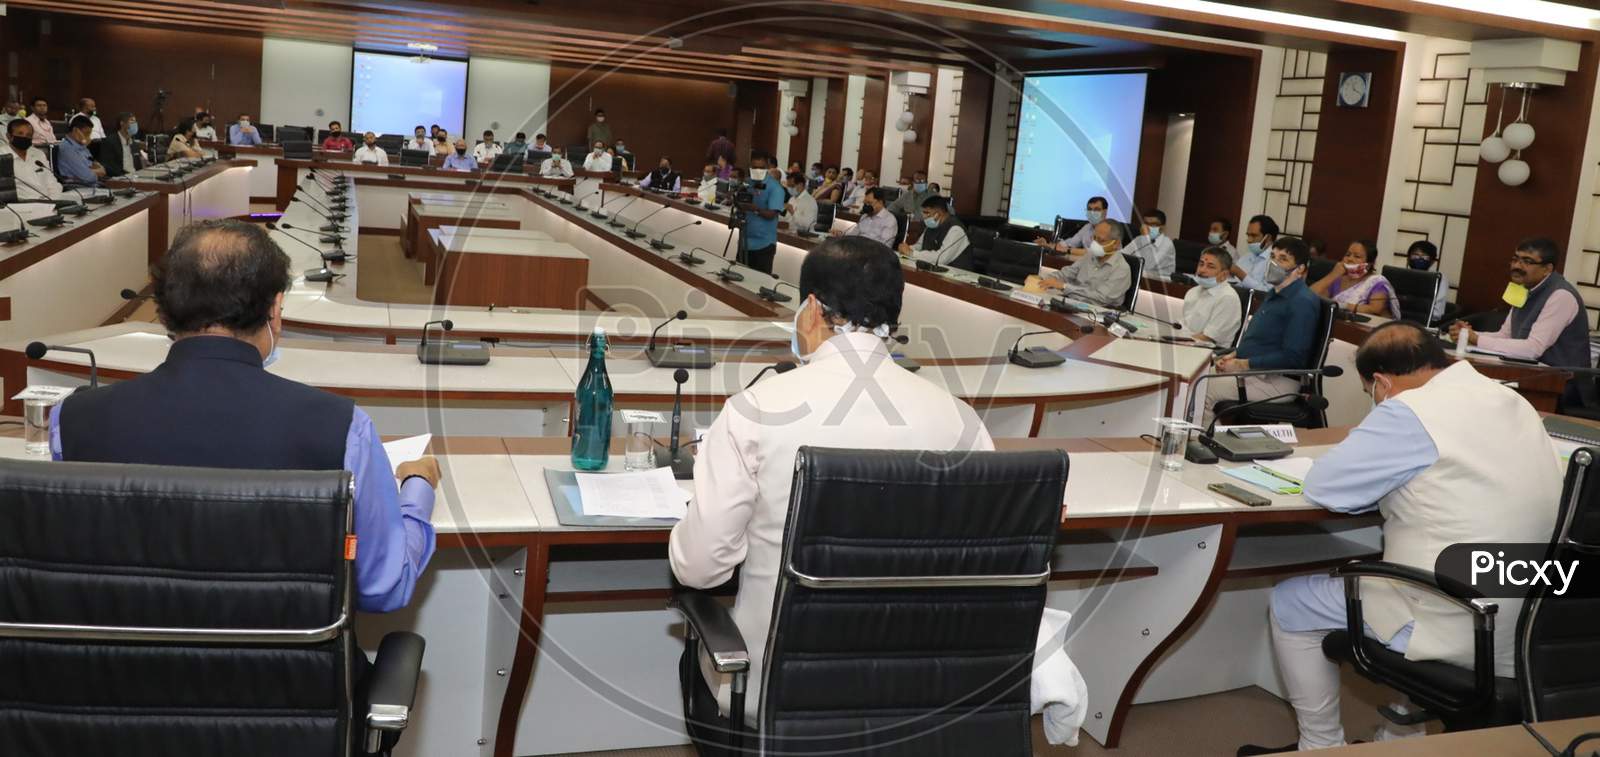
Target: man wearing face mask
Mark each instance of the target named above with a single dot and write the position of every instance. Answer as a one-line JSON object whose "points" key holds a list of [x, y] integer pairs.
{"points": [[12, 110], [912, 194], [1422, 255], [486, 151], [203, 128], [74, 163], [86, 107], [369, 152], [1221, 235], [1102, 276], [621, 157], [1547, 321], [1075, 245], [1211, 310], [761, 215], [336, 141], [1160, 256], [707, 188], [121, 152], [856, 198], [1280, 334], [663, 177], [848, 391], [944, 238], [243, 133], [219, 292], [556, 166], [876, 223], [599, 131], [598, 159], [38, 185], [460, 160], [1251, 267], [801, 210], [1427, 458]]}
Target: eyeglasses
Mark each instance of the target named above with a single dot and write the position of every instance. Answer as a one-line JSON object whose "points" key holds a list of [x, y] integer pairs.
{"points": [[1529, 261]]}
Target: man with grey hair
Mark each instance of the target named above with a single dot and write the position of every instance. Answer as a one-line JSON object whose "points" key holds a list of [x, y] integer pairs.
{"points": [[1101, 276], [1211, 310]]}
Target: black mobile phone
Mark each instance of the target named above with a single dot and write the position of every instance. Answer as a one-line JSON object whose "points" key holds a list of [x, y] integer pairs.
{"points": [[1235, 493]]}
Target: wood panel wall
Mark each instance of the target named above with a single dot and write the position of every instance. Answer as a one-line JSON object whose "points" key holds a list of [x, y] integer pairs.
{"points": [[802, 121], [833, 123], [914, 155], [875, 97], [972, 138], [1220, 91], [656, 115], [1351, 165], [121, 66]]}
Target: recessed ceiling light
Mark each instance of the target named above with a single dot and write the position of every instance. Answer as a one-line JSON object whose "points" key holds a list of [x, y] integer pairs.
{"points": [[422, 46]]}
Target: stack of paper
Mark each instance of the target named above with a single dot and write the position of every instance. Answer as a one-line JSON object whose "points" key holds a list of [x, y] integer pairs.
{"points": [[642, 494], [407, 449], [1283, 476]]}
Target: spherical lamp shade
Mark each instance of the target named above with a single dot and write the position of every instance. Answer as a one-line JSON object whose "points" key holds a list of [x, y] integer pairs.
{"points": [[1514, 172], [792, 130], [910, 135], [1519, 135], [904, 121], [789, 117], [1494, 150]]}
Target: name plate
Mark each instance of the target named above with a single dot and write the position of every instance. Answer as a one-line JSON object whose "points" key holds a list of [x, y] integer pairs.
{"points": [[1036, 300]]}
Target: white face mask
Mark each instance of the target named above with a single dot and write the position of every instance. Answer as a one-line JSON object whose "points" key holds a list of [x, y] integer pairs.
{"points": [[758, 174], [1214, 237], [1096, 249], [794, 337]]}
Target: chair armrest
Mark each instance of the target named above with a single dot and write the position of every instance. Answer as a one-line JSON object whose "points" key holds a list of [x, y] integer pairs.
{"points": [[711, 621], [392, 685], [1460, 594]]}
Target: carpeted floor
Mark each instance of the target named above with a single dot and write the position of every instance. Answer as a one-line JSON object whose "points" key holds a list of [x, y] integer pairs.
{"points": [[1209, 726], [387, 275]]}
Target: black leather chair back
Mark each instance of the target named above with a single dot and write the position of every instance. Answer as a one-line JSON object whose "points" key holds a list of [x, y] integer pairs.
{"points": [[1321, 342], [909, 602], [1136, 267], [900, 226], [268, 132], [1247, 302], [1316, 268], [1014, 261], [825, 214], [414, 157], [152, 611], [293, 134], [1418, 290], [1558, 654], [297, 149], [1188, 257]]}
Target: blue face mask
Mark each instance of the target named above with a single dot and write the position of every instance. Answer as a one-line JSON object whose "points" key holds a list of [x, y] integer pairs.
{"points": [[930, 223], [133, 129], [1255, 248], [1095, 216], [272, 354], [1214, 237], [1205, 282], [921, 186], [1155, 232]]}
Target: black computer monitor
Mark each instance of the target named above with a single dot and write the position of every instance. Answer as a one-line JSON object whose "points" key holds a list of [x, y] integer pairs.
{"points": [[414, 157], [1013, 261], [268, 132], [536, 158], [390, 143], [297, 150]]}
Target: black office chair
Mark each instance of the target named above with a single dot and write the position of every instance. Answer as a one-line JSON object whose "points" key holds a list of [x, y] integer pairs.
{"points": [[1188, 258], [1317, 268], [297, 150], [390, 143], [504, 163], [1417, 290], [1136, 267], [151, 611], [1247, 302], [906, 612], [415, 157], [292, 134], [1557, 641], [901, 224], [1310, 409], [268, 132], [826, 212]]}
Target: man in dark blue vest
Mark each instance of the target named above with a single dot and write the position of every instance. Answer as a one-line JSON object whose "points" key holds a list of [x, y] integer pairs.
{"points": [[1547, 321], [219, 291]]}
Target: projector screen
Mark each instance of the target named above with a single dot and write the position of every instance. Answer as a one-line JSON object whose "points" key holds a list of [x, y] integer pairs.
{"points": [[391, 94], [1077, 137]]}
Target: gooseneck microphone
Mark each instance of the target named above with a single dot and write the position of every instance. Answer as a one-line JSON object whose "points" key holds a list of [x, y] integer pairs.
{"points": [[616, 221], [634, 233], [327, 212], [690, 259], [130, 295], [334, 238], [782, 367], [771, 294], [449, 352], [335, 256], [36, 350], [678, 316], [71, 208], [1033, 357], [19, 234], [682, 465], [597, 214], [332, 222], [662, 244]]}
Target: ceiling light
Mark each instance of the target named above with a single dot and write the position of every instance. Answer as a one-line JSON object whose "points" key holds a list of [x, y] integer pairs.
{"points": [[1543, 11], [423, 47]]}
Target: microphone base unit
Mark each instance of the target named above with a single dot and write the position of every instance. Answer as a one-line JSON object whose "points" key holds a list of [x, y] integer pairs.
{"points": [[47, 222], [995, 284], [597, 215], [772, 295], [1246, 443], [564, 200], [129, 192], [682, 467], [730, 275], [453, 353], [14, 236], [1035, 357], [74, 209], [1198, 453], [330, 227], [660, 245], [615, 224], [633, 234], [677, 357], [689, 258], [923, 265], [319, 275], [337, 256], [98, 199], [906, 363]]}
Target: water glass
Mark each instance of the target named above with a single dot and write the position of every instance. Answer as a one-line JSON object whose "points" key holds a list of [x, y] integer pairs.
{"points": [[638, 452], [1174, 437], [36, 426]]}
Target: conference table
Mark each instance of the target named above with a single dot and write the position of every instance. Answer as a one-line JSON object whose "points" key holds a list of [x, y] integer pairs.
{"points": [[197, 190]]}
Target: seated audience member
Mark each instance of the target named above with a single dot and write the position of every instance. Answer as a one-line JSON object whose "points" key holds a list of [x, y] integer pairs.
{"points": [[419, 140], [1431, 456], [86, 107], [795, 167], [1422, 255], [1547, 321], [1220, 234], [1357, 286], [204, 128], [800, 212], [831, 189], [183, 143], [11, 110], [1280, 334], [44, 133], [724, 168], [876, 223], [540, 144], [336, 141], [737, 175], [857, 195], [707, 188], [847, 182], [663, 177], [556, 166], [1159, 254], [1101, 276], [944, 237], [761, 215], [623, 160], [241, 132], [442, 146], [1250, 268], [598, 159], [38, 185], [433, 131], [814, 176], [219, 292], [369, 152], [850, 300], [485, 151], [459, 160], [1074, 246], [912, 192], [121, 152], [74, 163], [518, 144], [1211, 309]]}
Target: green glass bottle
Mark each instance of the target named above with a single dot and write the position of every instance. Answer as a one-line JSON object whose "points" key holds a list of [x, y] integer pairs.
{"points": [[591, 431]]}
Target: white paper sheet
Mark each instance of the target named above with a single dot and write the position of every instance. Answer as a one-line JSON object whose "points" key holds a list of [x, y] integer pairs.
{"points": [[407, 449], [1296, 468], [642, 494]]}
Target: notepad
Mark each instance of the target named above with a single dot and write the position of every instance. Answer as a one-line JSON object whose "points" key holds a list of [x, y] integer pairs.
{"points": [[641, 494], [405, 450], [1252, 474], [1295, 468]]}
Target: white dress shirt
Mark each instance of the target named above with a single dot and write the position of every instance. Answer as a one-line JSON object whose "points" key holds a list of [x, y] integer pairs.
{"points": [[804, 212], [1214, 312], [857, 196], [849, 394], [707, 190], [200, 132], [486, 152], [1159, 254], [559, 168], [880, 226], [374, 155], [420, 143], [601, 162], [32, 183]]}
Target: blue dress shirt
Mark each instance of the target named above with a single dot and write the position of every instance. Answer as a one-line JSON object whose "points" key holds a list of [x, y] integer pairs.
{"points": [[74, 163], [760, 233], [1255, 269], [394, 532], [1281, 333], [455, 162], [1386, 451], [237, 136]]}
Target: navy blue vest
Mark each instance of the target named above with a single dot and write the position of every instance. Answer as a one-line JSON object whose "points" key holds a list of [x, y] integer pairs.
{"points": [[209, 405]]}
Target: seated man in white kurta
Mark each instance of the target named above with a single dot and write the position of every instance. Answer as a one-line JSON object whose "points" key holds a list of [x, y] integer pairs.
{"points": [[1447, 456], [848, 393]]}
